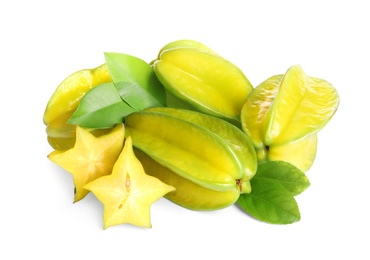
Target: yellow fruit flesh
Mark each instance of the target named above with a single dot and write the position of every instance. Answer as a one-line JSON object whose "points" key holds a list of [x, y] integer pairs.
{"points": [[128, 192], [90, 158]]}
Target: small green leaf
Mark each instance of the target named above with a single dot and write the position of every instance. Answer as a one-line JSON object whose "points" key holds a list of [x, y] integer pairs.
{"points": [[292, 178], [129, 69], [273, 189], [101, 107], [270, 202]]}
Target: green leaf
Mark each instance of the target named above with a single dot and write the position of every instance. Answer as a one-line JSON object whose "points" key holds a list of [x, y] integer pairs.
{"points": [[101, 107], [136, 96], [137, 75], [270, 202], [273, 189], [292, 178]]}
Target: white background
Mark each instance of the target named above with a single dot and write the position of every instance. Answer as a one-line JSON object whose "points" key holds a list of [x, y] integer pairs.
{"points": [[42, 42]]}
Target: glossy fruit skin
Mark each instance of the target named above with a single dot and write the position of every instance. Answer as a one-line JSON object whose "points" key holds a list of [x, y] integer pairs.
{"points": [[300, 153], [303, 105], [284, 113], [187, 194], [235, 138], [200, 153], [201, 79], [65, 100], [185, 43]]}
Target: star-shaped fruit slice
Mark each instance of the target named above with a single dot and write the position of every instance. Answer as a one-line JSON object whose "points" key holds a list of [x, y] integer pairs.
{"points": [[91, 157], [128, 192]]}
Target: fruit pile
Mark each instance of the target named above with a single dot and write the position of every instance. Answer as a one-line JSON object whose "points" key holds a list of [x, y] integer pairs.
{"points": [[190, 127]]}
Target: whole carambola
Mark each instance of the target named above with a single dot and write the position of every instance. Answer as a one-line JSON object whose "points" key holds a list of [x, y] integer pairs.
{"points": [[284, 113], [64, 102], [195, 152], [187, 193], [195, 77]]}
